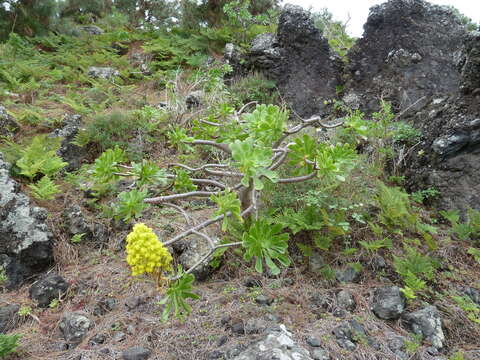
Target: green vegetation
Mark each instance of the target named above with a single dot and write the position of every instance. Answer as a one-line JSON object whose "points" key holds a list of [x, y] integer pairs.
{"points": [[274, 184], [8, 344]]}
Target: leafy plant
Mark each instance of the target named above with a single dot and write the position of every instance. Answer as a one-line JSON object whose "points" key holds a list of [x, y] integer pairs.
{"points": [[263, 242], [8, 344], [475, 253], [375, 245], [227, 202], [106, 166], [471, 308], [77, 238], [177, 294], [130, 204], [183, 181], [44, 189], [426, 194]]}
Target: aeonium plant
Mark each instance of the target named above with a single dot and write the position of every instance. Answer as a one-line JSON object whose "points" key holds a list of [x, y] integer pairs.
{"points": [[254, 147]]}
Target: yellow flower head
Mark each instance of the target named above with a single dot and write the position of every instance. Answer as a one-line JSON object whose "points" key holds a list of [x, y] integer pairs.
{"points": [[145, 253]]}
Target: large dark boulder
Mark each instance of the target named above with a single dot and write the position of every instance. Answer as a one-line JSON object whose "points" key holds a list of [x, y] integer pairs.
{"points": [[410, 49], [25, 239], [299, 58]]}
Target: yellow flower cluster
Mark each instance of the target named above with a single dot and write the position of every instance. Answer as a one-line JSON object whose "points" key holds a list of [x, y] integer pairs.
{"points": [[145, 253]]}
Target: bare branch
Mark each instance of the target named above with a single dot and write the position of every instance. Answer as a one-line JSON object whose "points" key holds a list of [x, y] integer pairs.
{"points": [[203, 167], [297, 179], [203, 225], [210, 123], [204, 258], [191, 194], [223, 147], [245, 106], [224, 173], [209, 182], [183, 212], [279, 161]]}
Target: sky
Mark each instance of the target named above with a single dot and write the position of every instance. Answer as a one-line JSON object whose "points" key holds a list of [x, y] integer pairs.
{"points": [[357, 10]]}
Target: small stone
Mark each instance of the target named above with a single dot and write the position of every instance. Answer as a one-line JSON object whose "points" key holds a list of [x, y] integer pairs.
{"points": [[92, 29], [104, 306], [315, 262], [8, 317], [97, 339], [216, 354], [313, 341], [98, 72], [263, 300], [255, 326], [320, 354], [345, 300], [288, 282], [348, 275], [222, 340], [388, 303], [427, 323], [238, 328], [252, 282], [133, 302], [119, 337], [8, 126], [136, 353], [74, 327]]}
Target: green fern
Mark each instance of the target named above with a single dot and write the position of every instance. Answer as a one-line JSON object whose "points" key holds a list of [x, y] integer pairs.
{"points": [[44, 189], [395, 209], [40, 158]]}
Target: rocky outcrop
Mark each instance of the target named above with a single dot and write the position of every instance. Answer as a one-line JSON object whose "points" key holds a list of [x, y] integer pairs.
{"points": [[25, 239], [410, 49], [419, 57], [298, 57], [8, 126], [102, 72], [92, 29], [69, 152]]}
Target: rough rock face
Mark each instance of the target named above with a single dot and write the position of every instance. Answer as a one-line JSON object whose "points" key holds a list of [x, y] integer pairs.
{"points": [[92, 29], [388, 303], [300, 60], [409, 49], [74, 327], [8, 126], [419, 57], [25, 240], [76, 223], [50, 287], [427, 323], [449, 157], [8, 317], [278, 344], [102, 72], [69, 152]]}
